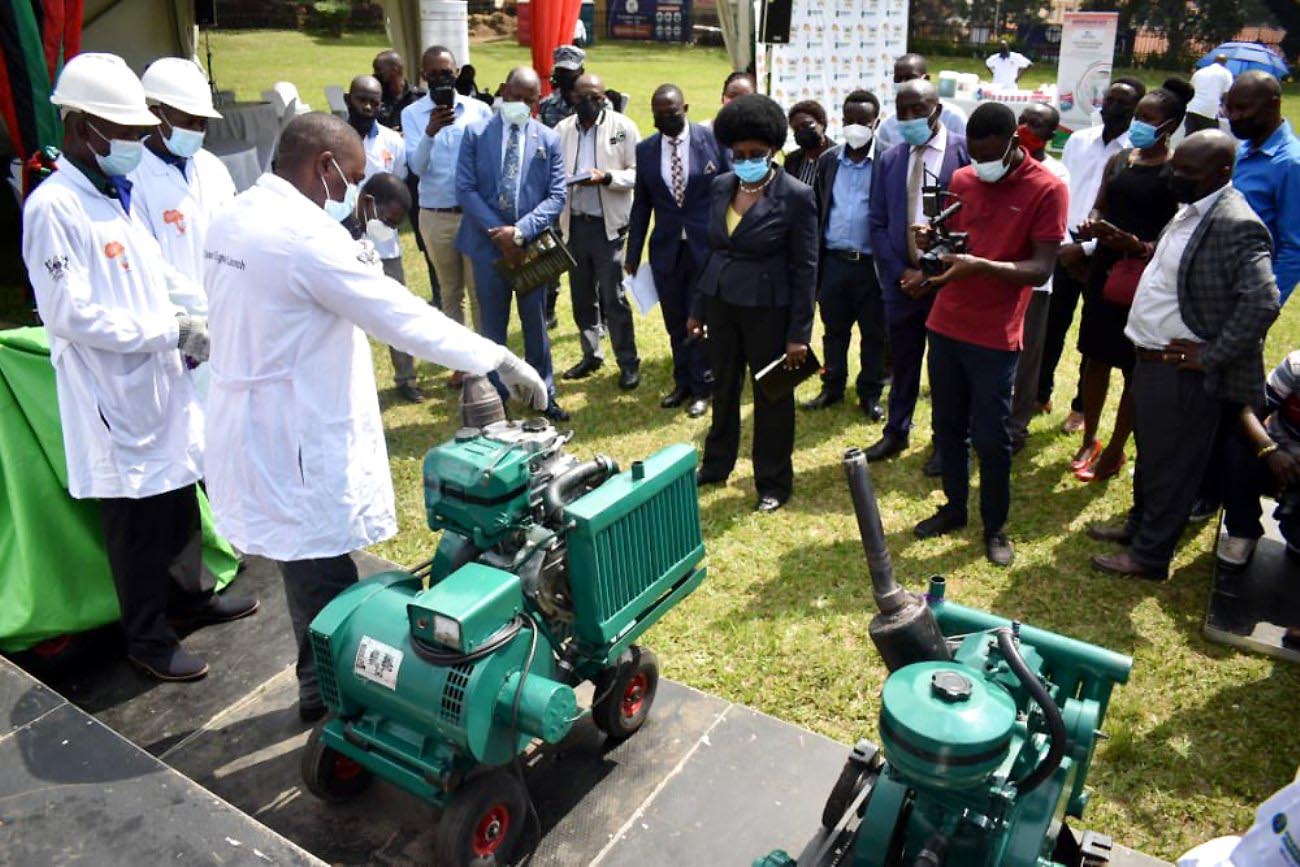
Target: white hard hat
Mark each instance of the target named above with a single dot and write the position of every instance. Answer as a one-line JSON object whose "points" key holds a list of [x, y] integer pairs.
{"points": [[180, 83], [103, 85]]}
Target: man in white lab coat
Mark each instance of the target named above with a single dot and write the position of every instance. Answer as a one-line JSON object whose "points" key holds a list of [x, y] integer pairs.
{"points": [[297, 468], [119, 319]]}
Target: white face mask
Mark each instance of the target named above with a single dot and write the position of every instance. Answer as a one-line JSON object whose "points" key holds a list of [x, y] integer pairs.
{"points": [[339, 209], [379, 232], [515, 113], [992, 172], [184, 143], [123, 155], [858, 136]]}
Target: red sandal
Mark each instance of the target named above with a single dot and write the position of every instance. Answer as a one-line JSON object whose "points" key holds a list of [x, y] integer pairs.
{"points": [[1090, 474], [1086, 456]]}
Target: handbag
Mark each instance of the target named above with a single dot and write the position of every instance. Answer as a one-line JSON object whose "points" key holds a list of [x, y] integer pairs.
{"points": [[545, 260], [1122, 280]]}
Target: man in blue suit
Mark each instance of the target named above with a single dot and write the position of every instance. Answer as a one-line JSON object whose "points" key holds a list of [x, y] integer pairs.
{"points": [[927, 157], [674, 170], [510, 184]]}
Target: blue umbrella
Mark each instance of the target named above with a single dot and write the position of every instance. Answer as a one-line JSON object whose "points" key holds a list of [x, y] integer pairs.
{"points": [[1248, 55]]}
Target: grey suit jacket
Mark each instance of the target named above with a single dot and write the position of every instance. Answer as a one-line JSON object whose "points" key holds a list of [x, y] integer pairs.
{"points": [[1228, 297]]}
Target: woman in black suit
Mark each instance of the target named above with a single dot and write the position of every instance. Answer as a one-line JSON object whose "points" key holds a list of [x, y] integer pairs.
{"points": [[755, 293]]}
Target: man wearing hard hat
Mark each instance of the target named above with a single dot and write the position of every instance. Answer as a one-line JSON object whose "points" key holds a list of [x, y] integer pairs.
{"points": [[119, 320], [297, 467]]}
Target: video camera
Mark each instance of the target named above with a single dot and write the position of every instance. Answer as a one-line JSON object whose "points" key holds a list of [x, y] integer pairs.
{"points": [[943, 242]]}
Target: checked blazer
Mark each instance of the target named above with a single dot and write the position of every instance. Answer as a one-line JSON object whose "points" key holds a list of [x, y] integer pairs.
{"points": [[1228, 297]]}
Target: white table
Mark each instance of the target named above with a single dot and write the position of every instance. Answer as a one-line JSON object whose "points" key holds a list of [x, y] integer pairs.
{"points": [[255, 124], [240, 159]]}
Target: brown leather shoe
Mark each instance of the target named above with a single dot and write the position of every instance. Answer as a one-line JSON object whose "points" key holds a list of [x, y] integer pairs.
{"points": [[1118, 534], [1126, 567]]}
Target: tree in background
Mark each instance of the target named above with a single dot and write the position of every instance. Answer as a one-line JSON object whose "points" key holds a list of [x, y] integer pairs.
{"points": [[1185, 24]]}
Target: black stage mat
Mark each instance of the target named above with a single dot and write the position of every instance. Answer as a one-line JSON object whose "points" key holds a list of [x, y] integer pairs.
{"points": [[1252, 609]]}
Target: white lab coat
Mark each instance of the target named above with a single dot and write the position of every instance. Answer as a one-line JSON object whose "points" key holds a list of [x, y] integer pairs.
{"points": [[297, 466], [385, 152], [131, 424]]}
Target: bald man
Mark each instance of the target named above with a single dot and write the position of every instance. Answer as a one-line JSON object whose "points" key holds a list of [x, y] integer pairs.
{"points": [[1211, 83], [1202, 309], [297, 469], [911, 67], [1268, 168]]}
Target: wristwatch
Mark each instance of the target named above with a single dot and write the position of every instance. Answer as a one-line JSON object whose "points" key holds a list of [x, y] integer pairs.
{"points": [[519, 237]]}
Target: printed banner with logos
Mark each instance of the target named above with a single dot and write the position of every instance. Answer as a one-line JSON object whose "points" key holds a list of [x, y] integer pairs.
{"points": [[835, 48], [1083, 72], [659, 20]]}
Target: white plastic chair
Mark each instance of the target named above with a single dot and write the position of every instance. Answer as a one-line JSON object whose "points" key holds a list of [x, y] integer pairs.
{"points": [[334, 96], [282, 94]]}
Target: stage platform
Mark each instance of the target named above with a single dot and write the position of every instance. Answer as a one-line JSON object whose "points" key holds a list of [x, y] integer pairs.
{"points": [[1251, 609], [705, 782]]}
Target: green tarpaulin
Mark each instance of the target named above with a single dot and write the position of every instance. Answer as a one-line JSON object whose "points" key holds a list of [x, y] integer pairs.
{"points": [[54, 576]]}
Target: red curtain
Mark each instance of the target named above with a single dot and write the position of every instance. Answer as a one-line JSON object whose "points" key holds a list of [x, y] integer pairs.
{"points": [[553, 23]]}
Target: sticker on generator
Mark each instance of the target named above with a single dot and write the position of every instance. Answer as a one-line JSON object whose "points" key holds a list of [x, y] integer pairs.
{"points": [[378, 662]]}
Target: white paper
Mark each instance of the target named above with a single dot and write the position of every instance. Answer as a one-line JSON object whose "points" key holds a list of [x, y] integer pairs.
{"points": [[642, 288]]}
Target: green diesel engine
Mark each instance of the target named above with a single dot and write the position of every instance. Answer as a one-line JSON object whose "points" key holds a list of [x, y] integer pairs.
{"points": [[987, 731], [547, 572]]}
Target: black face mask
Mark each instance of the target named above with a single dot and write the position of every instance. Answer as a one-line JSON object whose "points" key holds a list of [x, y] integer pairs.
{"points": [[807, 137], [588, 110], [1116, 115], [440, 79], [1185, 190], [1246, 128], [670, 125], [360, 123], [563, 82]]}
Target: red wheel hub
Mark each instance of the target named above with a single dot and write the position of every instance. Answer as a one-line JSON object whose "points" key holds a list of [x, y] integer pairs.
{"points": [[346, 769], [52, 646], [491, 830], [634, 695]]}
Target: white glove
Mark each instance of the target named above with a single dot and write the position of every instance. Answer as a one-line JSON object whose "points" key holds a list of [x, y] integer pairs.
{"points": [[523, 383], [193, 341]]}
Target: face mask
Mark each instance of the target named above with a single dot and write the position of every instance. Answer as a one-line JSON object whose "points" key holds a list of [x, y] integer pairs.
{"points": [[588, 110], [184, 143], [671, 125], [1115, 115], [123, 155], [1032, 143], [1246, 129], [339, 210], [360, 123], [515, 113], [807, 137], [992, 172], [440, 79], [1184, 190], [858, 136], [916, 131], [379, 232], [751, 171], [1143, 134]]}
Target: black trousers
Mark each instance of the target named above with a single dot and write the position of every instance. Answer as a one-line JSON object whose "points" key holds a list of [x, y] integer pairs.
{"points": [[849, 293], [753, 337], [1066, 292], [154, 547], [435, 291], [676, 288], [310, 585]]}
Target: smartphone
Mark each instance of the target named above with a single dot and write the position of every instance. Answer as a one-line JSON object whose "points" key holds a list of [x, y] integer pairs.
{"points": [[444, 96]]}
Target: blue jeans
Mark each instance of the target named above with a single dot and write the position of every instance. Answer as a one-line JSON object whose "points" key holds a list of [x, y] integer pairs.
{"points": [[494, 300], [970, 388]]}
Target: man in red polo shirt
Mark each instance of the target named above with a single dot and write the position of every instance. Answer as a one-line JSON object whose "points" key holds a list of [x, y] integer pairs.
{"points": [[1015, 211]]}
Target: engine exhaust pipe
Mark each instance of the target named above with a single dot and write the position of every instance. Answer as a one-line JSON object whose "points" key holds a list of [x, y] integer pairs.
{"points": [[905, 630]]}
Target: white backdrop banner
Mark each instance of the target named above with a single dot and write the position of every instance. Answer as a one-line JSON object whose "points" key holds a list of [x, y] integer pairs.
{"points": [[835, 48], [1083, 74]]}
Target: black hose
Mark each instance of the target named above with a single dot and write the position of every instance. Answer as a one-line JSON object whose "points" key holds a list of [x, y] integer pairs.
{"points": [[449, 658], [889, 595], [1030, 681], [553, 498], [935, 851]]}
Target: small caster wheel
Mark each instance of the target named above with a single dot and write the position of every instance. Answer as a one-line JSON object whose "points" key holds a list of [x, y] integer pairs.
{"points": [[626, 690], [330, 775], [483, 821]]}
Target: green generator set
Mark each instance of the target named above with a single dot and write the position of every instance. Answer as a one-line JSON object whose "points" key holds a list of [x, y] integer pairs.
{"points": [[547, 572], [987, 730]]}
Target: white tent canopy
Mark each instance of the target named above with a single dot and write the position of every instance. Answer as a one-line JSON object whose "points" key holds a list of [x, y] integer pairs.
{"points": [[139, 30]]}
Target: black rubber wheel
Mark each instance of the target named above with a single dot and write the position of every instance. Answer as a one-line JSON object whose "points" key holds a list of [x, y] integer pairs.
{"points": [[483, 821], [330, 775], [853, 777], [626, 691]]}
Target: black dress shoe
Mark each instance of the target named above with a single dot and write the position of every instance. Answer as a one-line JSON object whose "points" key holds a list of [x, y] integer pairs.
{"points": [[310, 713], [704, 477], [999, 550], [823, 399], [873, 411], [409, 393], [698, 407], [629, 378], [582, 369], [888, 446], [220, 608], [768, 503], [943, 521], [675, 398], [174, 666], [554, 413], [933, 466]]}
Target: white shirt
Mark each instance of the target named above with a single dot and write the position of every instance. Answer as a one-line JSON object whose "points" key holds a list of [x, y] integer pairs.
{"points": [[683, 145], [1006, 69], [385, 152], [1058, 169], [585, 200], [1085, 158], [933, 151], [1155, 318], [132, 426], [1210, 83], [178, 208], [297, 464]]}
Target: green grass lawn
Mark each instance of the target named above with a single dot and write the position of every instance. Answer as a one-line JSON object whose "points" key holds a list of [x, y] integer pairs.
{"points": [[1199, 737]]}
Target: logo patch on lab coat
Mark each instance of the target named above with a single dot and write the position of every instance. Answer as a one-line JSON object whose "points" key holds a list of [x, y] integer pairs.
{"points": [[175, 218], [57, 266], [114, 250]]}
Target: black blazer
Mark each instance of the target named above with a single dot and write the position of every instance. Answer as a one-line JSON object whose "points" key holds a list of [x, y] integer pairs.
{"points": [[771, 260]]}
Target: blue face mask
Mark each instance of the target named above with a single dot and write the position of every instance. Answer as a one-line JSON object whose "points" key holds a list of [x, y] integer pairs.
{"points": [[1142, 134], [916, 131], [184, 143], [339, 210], [123, 155], [752, 171]]}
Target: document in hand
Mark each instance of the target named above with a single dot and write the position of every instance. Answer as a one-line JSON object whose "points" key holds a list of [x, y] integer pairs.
{"points": [[642, 288], [779, 382]]}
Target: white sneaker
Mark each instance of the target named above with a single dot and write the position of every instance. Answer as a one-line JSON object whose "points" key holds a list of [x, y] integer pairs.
{"points": [[1235, 552]]}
